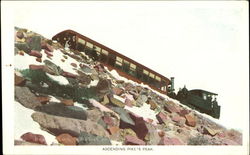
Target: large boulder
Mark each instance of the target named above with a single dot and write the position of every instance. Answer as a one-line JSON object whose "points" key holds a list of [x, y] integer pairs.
{"points": [[24, 96], [58, 125], [34, 138], [92, 139], [59, 109]]}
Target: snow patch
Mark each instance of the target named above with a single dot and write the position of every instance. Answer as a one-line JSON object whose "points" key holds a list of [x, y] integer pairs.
{"points": [[93, 83], [143, 111], [24, 123], [60, 79], [80, 106], [66, 66], [114, 142], [53, 99], [23, 62]]}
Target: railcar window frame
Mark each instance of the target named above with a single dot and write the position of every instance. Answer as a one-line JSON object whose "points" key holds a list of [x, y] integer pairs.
{"points": [[89, 45]]}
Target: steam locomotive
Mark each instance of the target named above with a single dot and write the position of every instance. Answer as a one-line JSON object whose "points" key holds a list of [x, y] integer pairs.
{"points": [[126, 67]]}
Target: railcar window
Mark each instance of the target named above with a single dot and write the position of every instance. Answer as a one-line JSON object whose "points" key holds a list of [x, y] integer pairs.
{"points": [[145, 72], [132, 70], [157, 78], [132, 67], [104, 52], [118, 62], [89, 45], [98, 49], [151, 75], [81, 41]]}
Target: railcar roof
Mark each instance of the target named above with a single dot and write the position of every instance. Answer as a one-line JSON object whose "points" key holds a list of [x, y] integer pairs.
{"points": [[203, 91]]}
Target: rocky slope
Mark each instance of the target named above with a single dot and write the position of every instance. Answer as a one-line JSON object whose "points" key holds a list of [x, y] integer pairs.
{"points": [[62, 97]]}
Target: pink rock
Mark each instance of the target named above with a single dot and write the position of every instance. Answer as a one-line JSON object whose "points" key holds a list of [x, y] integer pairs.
{"points": [[99, 67], [69, 75], [221, 134], [108, 120], [176, 118], [171, 108], [129, 97], [48, 53], [161, 117], [46, 46], [170, 141], [117, 91], [129, 103], [73, 64], [183, 112], [36, 67], [34, 138], [35, 53], [131, 140]]}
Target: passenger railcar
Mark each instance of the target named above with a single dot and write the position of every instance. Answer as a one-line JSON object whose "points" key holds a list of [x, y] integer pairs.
{"points": [[113, 60]]}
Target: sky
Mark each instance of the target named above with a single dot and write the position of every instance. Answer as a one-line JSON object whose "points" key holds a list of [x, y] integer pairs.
{"points": [[204, 45]]}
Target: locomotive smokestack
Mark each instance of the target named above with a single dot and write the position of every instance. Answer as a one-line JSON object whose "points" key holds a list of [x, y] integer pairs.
{"points": [[172, 84]]}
